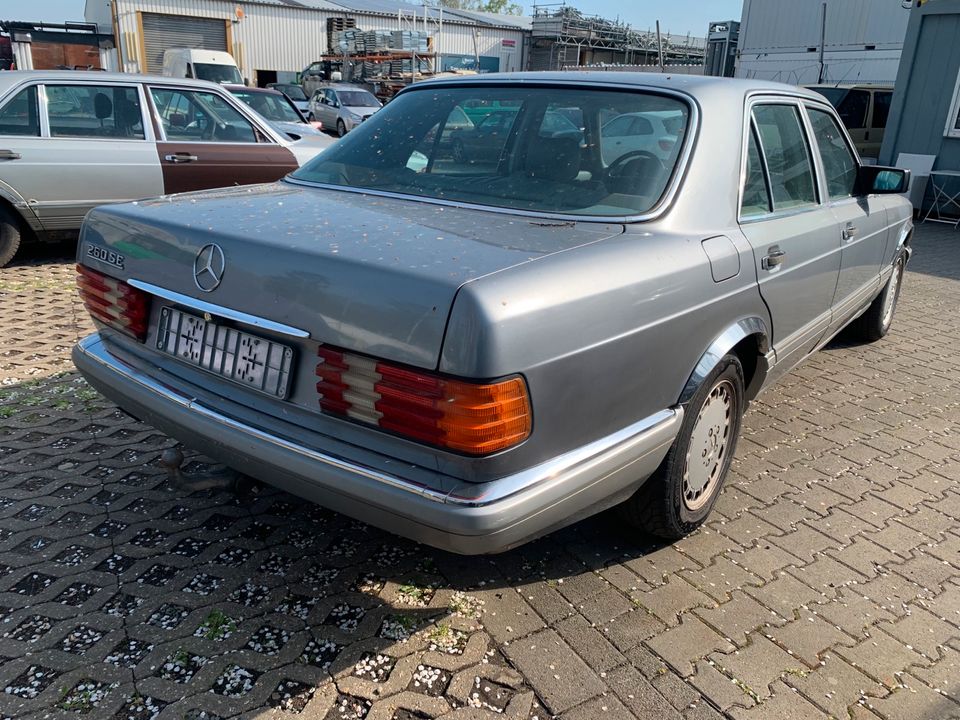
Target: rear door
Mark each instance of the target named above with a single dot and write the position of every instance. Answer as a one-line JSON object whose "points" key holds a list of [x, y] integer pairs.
{"points": [[878, 122], [795, 236], [83, 144], [862, 220], [207, 142]]}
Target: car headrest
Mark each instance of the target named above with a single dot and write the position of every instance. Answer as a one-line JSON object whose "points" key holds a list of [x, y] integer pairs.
{"points": [[556, 159], [102, 106]]}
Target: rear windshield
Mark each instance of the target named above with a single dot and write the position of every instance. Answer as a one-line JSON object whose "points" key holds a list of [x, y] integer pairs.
{"points": [[294, 92], [271, 106], [357, 98], [217, 73], [555, 150]]}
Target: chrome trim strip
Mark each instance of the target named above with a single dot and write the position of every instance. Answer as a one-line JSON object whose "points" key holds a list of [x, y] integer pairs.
{"points": [[225, 312], [487, 493]]}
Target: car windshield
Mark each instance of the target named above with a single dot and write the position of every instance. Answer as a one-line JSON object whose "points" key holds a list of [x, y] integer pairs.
{"points": [[357, 98], [294, 92], [217, 73], [536, 149], [271, 106]]}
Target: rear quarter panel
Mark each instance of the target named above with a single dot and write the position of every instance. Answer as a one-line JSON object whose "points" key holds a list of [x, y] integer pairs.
{"points": [[605, 335]]}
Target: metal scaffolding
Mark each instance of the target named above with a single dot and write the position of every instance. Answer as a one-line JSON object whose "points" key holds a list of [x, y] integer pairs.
{"points": [[564, 37]]}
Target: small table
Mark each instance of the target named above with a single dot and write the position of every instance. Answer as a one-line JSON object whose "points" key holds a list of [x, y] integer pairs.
{"points": [[942, 197]]}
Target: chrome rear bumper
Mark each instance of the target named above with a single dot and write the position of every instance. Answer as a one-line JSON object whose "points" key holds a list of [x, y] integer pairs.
{"points": [[463, 517]]}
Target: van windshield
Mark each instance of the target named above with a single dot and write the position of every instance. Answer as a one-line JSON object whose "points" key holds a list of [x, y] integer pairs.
{"points": [[217, 73], [565, 150]]}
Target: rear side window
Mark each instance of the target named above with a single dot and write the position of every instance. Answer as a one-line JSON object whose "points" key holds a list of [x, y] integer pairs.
{"points": [[839, 165], [94, 111], [787, 156], [756, 196], [19, 114]]}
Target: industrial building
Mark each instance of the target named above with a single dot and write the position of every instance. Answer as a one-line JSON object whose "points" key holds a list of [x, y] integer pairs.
{"points": [[272, 40], [831, 41]]}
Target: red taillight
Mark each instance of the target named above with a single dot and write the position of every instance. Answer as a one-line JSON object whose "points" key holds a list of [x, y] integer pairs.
{"points": [[472, 418], [114, 302], [665, 145]]}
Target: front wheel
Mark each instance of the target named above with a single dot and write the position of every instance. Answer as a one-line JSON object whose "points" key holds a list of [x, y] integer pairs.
{"points": [[341, 128], [876, 321], [677, 499]]}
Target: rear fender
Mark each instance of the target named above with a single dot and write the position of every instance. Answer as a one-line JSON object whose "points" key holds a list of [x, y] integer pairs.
{"points": [[723, 344]]}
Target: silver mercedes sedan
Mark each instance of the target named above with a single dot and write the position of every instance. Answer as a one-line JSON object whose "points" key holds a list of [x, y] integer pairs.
{"points": [[473, 349]]}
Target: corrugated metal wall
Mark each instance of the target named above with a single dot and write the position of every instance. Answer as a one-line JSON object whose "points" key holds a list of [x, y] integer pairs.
{"points": [[779, 40], [286, 38]]}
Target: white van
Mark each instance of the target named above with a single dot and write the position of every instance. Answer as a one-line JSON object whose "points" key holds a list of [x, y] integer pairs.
{"points": [[213, 65]]}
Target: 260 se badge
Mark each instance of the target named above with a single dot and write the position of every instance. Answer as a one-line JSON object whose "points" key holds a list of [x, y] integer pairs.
{"points": [[104, 255]]}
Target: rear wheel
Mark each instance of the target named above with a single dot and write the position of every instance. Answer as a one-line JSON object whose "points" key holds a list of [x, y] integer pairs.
{"points": [[876, 321], [679, 496], [341, 128], [10, 235]]}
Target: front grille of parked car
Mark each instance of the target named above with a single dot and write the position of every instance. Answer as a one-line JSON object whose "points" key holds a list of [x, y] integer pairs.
{"points": [[466, 417], [114, 302]]}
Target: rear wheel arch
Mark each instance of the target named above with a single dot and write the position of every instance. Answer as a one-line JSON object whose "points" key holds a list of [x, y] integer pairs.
{"points": [[748, 339]]}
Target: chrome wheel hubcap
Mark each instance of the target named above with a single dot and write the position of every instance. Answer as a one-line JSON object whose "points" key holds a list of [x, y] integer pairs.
{"points": [[890, 301], [707, 451]]}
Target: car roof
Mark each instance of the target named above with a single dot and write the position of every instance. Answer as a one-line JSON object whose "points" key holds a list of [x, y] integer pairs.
{"points": [[695, 85], [15, 77]]}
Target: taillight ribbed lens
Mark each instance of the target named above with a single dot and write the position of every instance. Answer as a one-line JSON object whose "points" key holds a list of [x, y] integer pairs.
{"points": [[472, 418], [114, 303]]}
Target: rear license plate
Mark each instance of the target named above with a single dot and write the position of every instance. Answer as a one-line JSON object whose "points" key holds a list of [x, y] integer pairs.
{"points": [[246, 359]]}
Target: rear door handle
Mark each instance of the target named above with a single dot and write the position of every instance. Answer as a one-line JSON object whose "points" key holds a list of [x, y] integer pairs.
{"points": [[180, 158], [849, 233], [9, 155], [773, 259]]}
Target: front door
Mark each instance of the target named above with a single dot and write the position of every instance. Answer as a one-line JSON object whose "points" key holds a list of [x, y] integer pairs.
{"points": [[794, 236], [862, 220], [91, 131], [208, 143]]}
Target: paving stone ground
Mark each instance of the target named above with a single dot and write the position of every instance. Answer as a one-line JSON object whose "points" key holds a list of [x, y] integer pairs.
{"points": [[827, 582]]}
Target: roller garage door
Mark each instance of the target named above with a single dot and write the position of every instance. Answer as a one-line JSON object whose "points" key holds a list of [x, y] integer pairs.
{"points": [[161, 32]]}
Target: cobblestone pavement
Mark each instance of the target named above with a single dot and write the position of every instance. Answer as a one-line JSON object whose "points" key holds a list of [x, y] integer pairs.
{"points": [[826, 583]]}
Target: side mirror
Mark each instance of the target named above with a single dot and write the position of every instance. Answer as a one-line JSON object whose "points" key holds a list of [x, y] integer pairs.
{"points": [[879, 180]]}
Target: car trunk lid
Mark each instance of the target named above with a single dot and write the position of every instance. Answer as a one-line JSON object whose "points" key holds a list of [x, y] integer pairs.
{"points": [[371, 274]]}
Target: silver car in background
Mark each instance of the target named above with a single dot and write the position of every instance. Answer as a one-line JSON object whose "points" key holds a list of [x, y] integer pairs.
{"points": [[473, 351], [341, 108]]}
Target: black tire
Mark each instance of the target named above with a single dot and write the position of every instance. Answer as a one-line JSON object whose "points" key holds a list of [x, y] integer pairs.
{"points": [[668, 504], [341, 128], [876, 321], [10, 235]]}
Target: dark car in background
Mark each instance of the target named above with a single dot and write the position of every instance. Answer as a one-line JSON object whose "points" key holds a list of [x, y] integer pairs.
{"points": [[295, 94]]}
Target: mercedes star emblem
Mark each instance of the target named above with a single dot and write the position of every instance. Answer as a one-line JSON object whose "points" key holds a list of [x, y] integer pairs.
{"points": [[208, 267]]}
